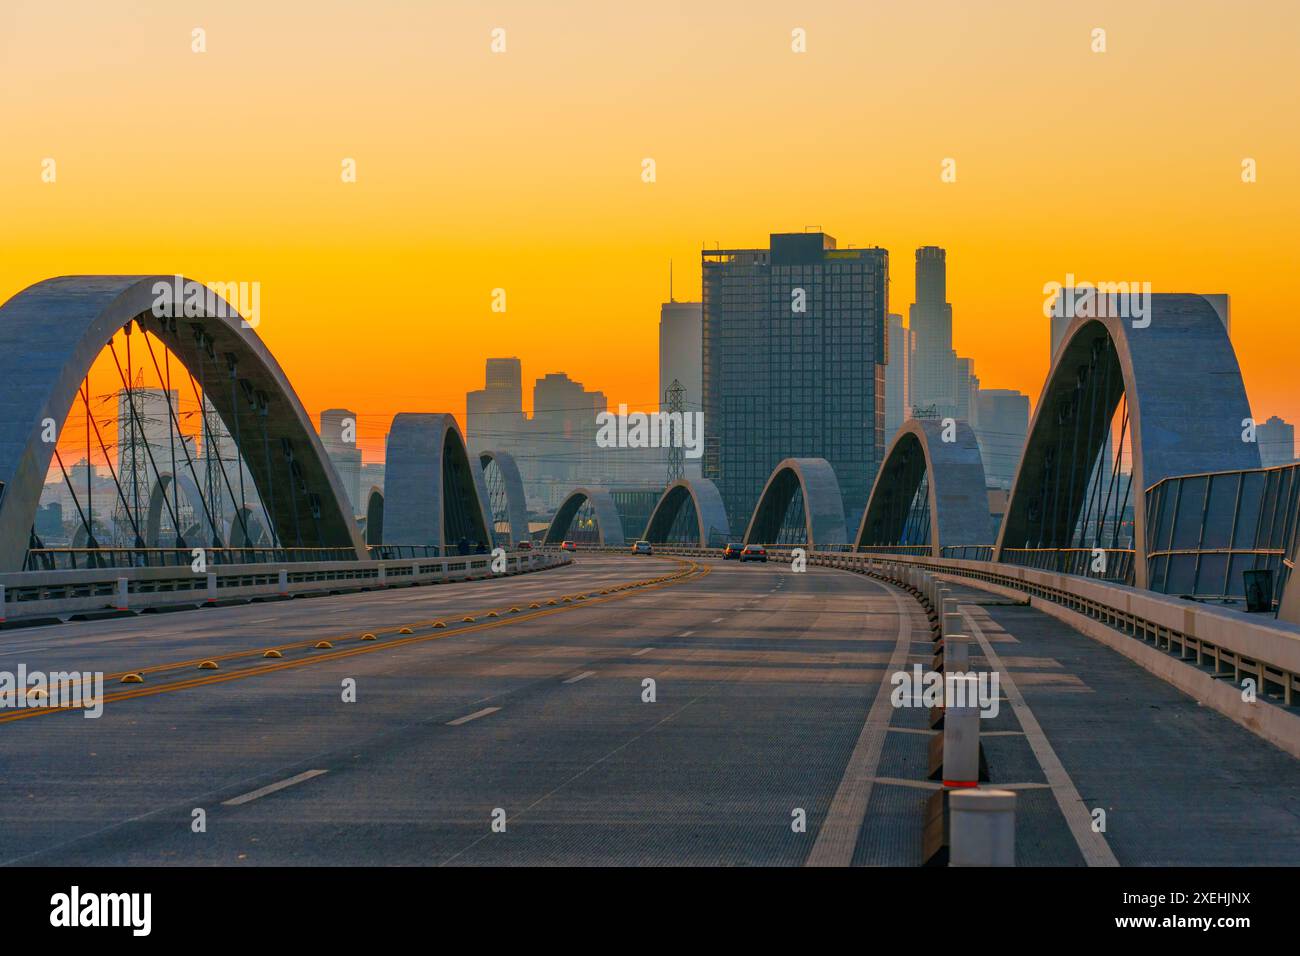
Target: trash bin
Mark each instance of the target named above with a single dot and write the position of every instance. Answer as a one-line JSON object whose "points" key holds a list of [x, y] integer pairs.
{"points": [[1259, 589]]}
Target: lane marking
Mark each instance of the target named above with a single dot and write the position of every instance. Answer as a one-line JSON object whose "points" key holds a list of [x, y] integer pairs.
{"points": [[838, 836], [583, 676], [271, 788], [685, 633], [717, 620], [262, 620], [694, 572], [1096, 851], [644, 650], [474, 716]]}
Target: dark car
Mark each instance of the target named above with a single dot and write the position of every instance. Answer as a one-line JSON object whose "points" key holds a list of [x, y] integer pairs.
{"points": [[731, 552], [523, 546], [753, 552]]}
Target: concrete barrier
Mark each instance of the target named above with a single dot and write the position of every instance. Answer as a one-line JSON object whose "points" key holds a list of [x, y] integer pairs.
{"points": [[982, 828]]}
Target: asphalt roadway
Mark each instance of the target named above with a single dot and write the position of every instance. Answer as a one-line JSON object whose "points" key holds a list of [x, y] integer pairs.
{"points": [[532, 736]]}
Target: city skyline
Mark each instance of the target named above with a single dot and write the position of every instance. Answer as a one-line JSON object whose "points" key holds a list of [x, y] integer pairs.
{"points": [[560, 217]]}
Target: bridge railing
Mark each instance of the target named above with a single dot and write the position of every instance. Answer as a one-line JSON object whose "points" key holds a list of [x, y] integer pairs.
{"points": [[1108, 564], [72, 559], [53, 594]]}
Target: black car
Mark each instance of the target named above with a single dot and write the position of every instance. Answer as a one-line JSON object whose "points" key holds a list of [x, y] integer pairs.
{"points": [[731, 552], [753, 552]]}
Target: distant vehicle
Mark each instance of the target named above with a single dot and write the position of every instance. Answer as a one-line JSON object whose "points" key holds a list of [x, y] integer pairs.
{"points": [[568, 546], [753, 552], [523, 546], [642, 547], [731, 551]]}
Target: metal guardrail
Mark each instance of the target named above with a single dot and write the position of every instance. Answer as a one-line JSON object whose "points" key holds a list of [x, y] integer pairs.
{"points": [[31, 594], [72, 559], [1116, 564]]}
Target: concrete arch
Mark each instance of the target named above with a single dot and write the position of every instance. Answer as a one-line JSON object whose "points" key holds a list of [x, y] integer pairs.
{"points": [[822, 503], [51, 334], [955, 486], [432, 497], [516, 504], [702, 496], [1186, 404], [375, 516], [609, 525], [253, 522], [162, 489]]}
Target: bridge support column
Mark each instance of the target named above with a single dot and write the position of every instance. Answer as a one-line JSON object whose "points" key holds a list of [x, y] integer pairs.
{"points": [[284, 583]]}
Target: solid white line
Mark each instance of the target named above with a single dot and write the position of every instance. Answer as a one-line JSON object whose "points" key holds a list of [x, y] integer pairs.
{"points": [[644, 650], [838, 836], [271, 788], [1096, 851], [474, 716], [583, 676]]}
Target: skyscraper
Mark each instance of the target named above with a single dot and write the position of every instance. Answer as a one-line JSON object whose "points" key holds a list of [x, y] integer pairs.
{"points": [[494, 414], [1276, 440], [794, 350], [934, 363], [680, 349], [338, 433], [897, 407], [1002, 422]]}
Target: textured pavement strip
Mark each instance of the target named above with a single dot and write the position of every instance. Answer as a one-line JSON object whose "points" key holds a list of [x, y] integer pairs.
{"points": [[1096, 851], [838, 836]]}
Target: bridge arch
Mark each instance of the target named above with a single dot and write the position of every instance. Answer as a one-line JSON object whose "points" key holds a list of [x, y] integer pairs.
{"points": [[162, 489], [692, 505], [1173, 386], [432, 497], [51, 334], [375, 516], [506, 502], [929, 490], [609, 526], [801, 502]]}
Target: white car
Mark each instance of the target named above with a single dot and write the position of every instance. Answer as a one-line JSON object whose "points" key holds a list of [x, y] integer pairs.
{"points": [[642, 547]]}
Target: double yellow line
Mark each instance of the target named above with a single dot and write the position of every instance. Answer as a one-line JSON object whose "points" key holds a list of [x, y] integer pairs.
{"points": [[690, 570]]}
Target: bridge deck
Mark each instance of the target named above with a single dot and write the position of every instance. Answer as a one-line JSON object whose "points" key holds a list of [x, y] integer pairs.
{"points": [[765, 683]]}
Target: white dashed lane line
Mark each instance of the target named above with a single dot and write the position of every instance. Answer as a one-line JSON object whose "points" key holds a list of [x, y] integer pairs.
{"points": [[474, 716], [271, 788]]}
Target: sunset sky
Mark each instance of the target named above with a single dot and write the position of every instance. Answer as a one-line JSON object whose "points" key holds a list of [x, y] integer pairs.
{"points": [[522, 170]]}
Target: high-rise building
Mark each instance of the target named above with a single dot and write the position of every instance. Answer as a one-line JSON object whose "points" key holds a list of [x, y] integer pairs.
{"points": [[934, 385], [1002, 423], [964, 392], [338, 433], [680, 348], [794, 351], [897, 407], [1276, 439], [494, 414]]}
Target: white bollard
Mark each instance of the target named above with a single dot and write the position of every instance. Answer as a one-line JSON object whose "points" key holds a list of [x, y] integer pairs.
{"points": [[956, 653], [212, 587], [950, 623], [123, 590], [982, 828], [961, 742], [284, 583]]}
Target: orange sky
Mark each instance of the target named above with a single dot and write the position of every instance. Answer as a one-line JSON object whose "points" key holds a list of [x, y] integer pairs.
{"points": [[522, 170]]}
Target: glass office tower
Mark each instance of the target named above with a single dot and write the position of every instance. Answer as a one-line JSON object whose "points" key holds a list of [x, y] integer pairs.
{"points": [[794, 354]]}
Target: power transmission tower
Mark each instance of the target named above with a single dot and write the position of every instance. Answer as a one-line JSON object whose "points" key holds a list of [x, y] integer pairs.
{"points": [[676, 400]]}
